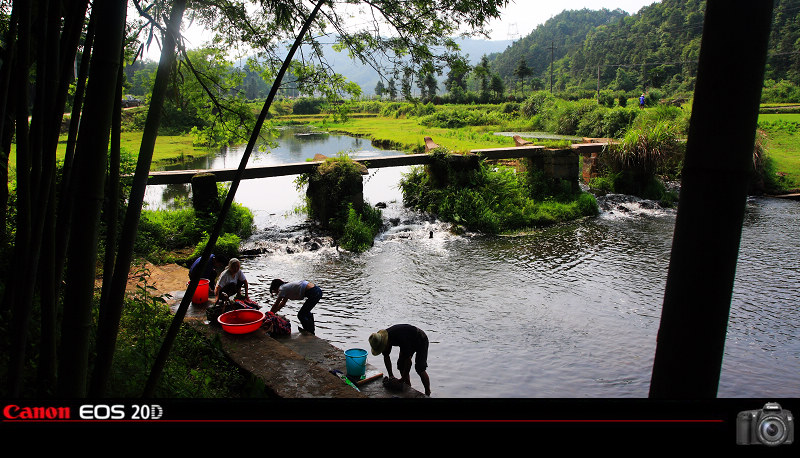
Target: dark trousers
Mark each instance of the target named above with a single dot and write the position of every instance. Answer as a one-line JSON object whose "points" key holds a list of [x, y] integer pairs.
{"points": [[232, 289], [305, 316]]}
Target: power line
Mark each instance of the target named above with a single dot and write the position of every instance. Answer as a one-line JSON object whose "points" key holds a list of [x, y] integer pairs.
{"points": [[513, 32]]}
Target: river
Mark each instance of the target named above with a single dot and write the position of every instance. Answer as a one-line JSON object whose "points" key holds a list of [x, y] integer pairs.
{"points": [[570, 311]]}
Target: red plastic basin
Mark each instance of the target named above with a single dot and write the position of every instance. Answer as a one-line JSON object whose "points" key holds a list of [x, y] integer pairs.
{"points": [[241, 321]]}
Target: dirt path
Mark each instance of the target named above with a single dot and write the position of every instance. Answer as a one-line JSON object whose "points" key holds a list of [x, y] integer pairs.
{"points": [[165, 279]]}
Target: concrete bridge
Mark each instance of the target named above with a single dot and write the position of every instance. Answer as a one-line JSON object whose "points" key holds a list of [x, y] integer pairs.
{"points": [[556, 163]]}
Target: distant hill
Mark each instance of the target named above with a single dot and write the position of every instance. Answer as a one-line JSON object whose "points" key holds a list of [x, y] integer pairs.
{"points": [[655, 48], [560, 36], [367, 78]]}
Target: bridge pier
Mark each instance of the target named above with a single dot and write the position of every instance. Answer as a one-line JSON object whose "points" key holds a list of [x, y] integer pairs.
{"points": [[205, 198], [332, 185], [446, 169], [590, 159], [555, 164]]}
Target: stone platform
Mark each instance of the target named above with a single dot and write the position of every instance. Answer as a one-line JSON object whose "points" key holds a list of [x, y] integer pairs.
{"points": [[294, 366]]}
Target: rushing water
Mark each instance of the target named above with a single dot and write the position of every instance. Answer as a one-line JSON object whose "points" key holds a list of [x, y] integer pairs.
{"points": [[570, 311]]}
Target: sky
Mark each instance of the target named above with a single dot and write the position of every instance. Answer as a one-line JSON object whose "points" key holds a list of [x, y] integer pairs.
{"points": [[518, 19], [521, 17]]}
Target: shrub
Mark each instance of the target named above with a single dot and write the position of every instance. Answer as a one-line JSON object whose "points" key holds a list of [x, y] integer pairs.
{"points": [[161, 231], [308, 106], [618, 120], [536, 103], [396, 109], [782, 91], [592, 123], [496, 200], [643, 153], [606, 98], [568, 115], [454, 118], [329, 198], [511, 108], [227, 246]]}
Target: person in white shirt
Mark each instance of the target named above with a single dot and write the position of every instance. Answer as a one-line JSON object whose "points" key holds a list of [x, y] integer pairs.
{"points": [[232, 280]]}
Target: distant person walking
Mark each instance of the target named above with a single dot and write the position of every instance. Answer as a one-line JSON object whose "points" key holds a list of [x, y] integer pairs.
{"points": [[297, 290], [410, 339], [641, 100]]}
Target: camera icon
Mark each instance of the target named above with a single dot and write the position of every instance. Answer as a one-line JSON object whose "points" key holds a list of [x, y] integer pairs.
{"points": [[769, 426]]}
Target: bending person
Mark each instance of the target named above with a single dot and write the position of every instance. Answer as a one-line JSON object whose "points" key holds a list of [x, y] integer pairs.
{"points": [[410, 339], [297, 290], [213, 269]]}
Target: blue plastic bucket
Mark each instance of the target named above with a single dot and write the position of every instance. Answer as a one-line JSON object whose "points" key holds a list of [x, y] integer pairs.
{"points": [[356, 361]]}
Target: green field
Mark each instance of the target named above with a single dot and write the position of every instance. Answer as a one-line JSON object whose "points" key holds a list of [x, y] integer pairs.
{"points": [[782, 139], [408, 134], [169, 148], [783, 145]]}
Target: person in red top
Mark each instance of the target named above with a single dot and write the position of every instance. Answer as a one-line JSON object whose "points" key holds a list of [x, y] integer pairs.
{"points": [[410, 340]]}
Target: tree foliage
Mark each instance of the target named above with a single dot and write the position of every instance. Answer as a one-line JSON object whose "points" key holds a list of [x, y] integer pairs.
{"points": [[656, 48]]}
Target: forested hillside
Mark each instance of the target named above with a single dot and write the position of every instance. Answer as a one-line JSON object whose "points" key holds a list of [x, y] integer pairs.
{"points": [[557, 38], [656, 48]]}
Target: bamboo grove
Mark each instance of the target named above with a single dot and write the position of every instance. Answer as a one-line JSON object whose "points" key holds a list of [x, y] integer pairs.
{"points": [[62, 56]]}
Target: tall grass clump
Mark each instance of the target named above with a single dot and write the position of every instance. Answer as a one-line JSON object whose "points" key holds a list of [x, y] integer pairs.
{"points": [[642, 155], [358, 229]]}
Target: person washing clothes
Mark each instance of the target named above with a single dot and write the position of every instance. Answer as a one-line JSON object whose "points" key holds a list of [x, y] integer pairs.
{"points": [[409, 339], [232, 280], [214, 267], [297, 290]]}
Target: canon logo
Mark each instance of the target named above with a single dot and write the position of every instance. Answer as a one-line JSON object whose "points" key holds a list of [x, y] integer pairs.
{"points": [[15, 412]]}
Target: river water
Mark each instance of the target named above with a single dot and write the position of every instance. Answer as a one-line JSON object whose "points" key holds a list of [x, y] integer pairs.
{"points": [[571, 311]]}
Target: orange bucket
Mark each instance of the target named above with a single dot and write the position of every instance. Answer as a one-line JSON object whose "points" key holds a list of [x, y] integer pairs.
{"points": [[201, 293]]}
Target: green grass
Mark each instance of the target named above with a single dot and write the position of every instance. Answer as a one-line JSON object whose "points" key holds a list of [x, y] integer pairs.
{"points": [[408, 134], [784, 150], [775, 117], [169, 148], [783, 146]]}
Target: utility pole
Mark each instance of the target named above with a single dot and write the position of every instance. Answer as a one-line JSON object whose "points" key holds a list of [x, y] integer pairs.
{"points": [[708, 226], [552, 53], [598, 82]]}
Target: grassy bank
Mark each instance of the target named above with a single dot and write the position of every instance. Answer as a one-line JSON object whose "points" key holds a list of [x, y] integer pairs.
{"points": [[408, 134], [196, 367], [783, 146], [168, 149]]}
